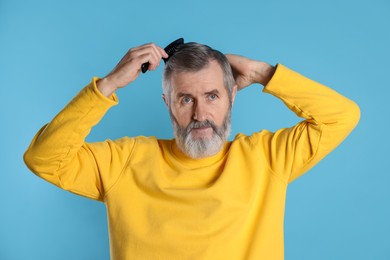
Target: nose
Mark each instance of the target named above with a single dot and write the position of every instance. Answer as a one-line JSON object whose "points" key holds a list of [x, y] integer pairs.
{"points": [[200, 112]]}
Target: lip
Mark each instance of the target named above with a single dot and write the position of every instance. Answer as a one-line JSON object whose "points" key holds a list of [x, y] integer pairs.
{"points": [[203, 127], [202, 131]]}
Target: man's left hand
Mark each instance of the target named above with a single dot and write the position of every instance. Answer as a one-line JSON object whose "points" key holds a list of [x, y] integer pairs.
{"points": [[247, 71]]}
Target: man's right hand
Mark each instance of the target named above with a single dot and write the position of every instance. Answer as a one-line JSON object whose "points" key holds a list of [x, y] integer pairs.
{"points": [[129, 67]]}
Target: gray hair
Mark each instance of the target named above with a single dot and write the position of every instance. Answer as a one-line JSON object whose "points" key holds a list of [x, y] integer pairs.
{"points": [[192, 57]]}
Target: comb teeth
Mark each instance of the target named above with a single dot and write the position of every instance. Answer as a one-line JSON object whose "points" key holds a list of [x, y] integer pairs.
{"points": [[171, 48]]}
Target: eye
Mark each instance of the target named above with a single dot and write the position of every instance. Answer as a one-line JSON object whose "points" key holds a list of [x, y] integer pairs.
{"points": [[186, 100], [213, 96]]}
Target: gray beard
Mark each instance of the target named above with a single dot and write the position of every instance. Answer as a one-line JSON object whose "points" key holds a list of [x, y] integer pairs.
{"points": [[201, 147]]}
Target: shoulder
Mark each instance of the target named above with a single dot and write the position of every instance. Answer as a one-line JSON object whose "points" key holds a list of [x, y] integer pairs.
{"points": [[129, 143], [254, 138]]}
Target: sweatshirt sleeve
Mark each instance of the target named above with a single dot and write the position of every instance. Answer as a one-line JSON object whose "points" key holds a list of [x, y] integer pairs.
{"points": [[59, 154], [328, 118]]}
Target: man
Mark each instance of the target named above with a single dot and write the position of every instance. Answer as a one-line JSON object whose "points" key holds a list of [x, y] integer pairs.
{"points": [[197, 196]]}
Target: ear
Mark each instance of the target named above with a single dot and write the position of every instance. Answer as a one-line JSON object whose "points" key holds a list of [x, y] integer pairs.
{"points": [[165, 100], [234, 92]]}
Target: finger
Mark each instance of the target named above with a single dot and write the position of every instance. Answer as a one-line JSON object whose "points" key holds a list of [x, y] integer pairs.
{"points": [[162, 52], [155, 58], [151, 47], [156, 53], [232, 58], [149, 58]]}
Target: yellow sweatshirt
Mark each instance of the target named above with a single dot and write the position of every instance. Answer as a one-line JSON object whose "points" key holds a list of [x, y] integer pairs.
{"points": [[164, 205]]}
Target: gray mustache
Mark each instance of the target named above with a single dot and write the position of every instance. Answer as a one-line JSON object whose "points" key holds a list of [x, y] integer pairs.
{"points": [[197, 124]]}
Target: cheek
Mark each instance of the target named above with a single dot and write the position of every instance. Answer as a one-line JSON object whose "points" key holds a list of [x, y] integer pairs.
{"points": [[182, 116], [220, 113], [220, 117]]}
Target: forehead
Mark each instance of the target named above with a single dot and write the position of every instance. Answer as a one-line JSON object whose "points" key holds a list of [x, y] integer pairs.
{"points": [[202, 81]]}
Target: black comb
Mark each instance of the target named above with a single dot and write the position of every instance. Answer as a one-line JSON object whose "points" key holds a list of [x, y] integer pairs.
{"points": [[170, 49]]}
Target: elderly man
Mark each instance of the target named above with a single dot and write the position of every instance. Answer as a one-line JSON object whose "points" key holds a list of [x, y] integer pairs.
{"points": [[197, 196]]}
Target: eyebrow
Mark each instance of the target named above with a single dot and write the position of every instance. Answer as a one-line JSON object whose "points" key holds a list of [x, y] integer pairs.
{"points": [[214, 91], [183, 94]]}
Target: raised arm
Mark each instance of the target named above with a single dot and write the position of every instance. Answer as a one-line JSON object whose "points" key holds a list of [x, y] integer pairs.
{"points": [[129, 67], [328, 116], [59, 153]]}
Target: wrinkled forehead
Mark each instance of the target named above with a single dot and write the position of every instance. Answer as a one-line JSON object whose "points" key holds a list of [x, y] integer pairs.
{"points": [[210, 76]]}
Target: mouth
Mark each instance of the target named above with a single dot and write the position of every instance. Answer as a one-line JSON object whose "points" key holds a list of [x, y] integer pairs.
{"points": [[202, 131], [200, 128]]}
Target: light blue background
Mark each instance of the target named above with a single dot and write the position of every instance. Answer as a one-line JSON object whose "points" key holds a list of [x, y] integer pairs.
{"points": [[50, 49]]}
